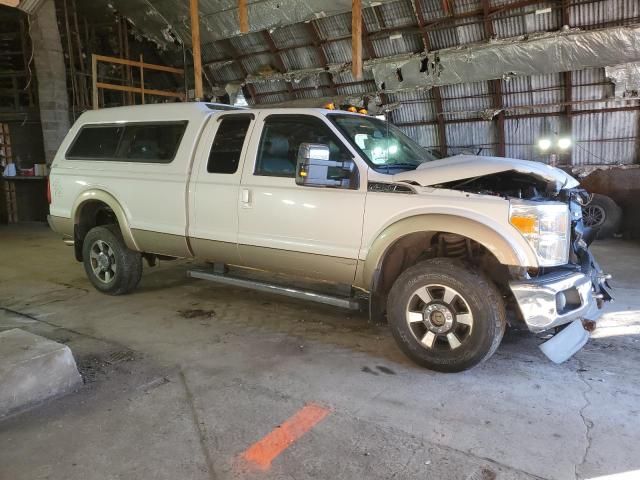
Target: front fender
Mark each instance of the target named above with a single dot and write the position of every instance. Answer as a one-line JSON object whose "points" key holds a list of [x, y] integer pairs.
{"points": [[96, 195], [509, 249]]}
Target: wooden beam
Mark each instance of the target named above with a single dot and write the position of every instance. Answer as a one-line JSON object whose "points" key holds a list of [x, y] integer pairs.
{"points": [[356, 39], [10, 3], [142, 81], [195, 48], [94, 81], [145, 91], [135, 63], [243, 14]]}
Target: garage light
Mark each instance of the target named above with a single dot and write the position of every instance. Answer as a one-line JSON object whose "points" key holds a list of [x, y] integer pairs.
{"points": [[564, 143], [544, 144]]}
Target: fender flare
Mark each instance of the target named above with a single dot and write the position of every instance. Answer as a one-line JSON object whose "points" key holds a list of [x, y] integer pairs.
{"points": [[96, 195], [508, 250]]}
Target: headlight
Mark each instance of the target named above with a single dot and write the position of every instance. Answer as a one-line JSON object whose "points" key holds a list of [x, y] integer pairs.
{"points": [[546, 227]]}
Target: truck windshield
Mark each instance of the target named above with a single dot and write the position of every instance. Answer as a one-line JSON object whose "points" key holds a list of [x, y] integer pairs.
{"points": [[382, 144]]}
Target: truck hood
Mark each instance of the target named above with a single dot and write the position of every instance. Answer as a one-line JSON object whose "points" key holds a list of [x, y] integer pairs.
{"points": [[462, 167]]}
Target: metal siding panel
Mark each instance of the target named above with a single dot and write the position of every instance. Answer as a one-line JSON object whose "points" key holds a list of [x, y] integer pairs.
{"points": [[477, 138], [300, 58], [522, 135], [608, 138], [414, 107], [425, 135], [291, 36], [466, 98], [407, 43]]}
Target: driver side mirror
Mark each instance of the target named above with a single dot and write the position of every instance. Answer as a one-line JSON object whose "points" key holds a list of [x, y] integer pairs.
{"points": [[313, 168]]}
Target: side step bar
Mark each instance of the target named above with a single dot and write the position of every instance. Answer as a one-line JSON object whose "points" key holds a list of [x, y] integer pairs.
{"points": [[349, 303]]}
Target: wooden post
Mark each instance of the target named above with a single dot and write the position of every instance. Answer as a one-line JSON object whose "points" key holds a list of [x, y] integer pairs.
{"points": [[243, 14], [142, 78], [356, 39], [195, 47], [94, 80]]}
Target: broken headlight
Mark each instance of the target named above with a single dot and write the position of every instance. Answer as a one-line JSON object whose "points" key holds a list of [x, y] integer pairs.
{"points": [[545, 226]]}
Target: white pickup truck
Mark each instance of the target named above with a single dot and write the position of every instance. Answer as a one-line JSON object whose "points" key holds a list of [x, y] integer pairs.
{"points": [[442, 248]]}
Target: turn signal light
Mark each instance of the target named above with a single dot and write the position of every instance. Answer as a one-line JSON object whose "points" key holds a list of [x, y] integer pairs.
{"points": [[526, 225]]}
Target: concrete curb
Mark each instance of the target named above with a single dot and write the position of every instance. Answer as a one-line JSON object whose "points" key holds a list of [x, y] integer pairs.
{"points": [[32, 369]]}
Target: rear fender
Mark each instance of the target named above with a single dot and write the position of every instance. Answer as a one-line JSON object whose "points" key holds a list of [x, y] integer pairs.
{"points": [[96, 195]]}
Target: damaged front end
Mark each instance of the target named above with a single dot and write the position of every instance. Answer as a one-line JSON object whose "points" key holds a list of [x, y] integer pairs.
{"points": [[566, 295]]}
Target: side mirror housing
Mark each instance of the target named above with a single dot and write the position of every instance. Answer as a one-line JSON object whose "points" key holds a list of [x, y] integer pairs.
{"points": [[313, 168]]}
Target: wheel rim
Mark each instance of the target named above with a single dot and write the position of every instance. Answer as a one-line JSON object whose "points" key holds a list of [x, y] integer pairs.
{"points": [[439, 317], [593, 215], [103, 261]]}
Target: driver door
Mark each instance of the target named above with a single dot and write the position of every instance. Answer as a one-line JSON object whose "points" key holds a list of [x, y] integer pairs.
{"points": [[288, 228]]}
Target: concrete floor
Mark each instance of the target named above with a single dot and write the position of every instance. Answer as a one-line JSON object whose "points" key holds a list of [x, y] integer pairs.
{"points": [[183, 376]]}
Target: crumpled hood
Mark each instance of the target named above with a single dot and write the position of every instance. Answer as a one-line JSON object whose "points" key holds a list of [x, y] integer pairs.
{"points": [[461, 167]]}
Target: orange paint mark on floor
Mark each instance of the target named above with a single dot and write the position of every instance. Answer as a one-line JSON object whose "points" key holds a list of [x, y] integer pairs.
{"points": [[264, 451]]}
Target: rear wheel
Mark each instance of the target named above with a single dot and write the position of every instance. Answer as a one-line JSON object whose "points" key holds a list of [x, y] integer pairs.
{"points": [[445, 316], [111, 267]]}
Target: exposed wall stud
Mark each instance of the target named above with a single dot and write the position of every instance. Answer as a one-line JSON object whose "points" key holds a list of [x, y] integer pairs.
{"points": [[195, 47], [243, 14], [356, 39]]}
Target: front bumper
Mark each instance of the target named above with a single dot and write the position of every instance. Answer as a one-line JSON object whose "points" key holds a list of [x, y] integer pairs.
{"points": [[540, 299], [562, 296]]}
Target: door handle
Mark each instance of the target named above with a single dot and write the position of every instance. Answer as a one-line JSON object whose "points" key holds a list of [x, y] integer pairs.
{"points": [[246, 197]]}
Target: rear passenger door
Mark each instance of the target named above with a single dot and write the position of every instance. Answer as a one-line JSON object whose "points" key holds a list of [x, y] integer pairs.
{"points": [[213, 213]]}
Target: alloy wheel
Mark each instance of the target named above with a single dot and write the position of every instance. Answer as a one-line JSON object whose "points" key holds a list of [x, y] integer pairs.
{"points": [[439, 317], [103, 261]]}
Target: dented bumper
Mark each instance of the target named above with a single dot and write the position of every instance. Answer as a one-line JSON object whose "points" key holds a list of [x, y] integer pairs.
{"points": [[555, 299], [563, 295]]}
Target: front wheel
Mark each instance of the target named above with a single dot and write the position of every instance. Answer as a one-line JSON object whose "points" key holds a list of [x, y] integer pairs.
{"points": [[446, 316], [111, 267]]}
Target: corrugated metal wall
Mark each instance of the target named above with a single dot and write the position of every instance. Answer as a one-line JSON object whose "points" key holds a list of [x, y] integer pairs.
{"points": [[603, 131]]}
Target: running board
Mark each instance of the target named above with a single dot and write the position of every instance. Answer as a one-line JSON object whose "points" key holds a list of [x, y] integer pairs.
{"points": [[349, 303]]}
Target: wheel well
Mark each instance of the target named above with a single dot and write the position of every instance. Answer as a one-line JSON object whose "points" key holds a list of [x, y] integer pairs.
{"points": [[415, 247], [92, 214]]}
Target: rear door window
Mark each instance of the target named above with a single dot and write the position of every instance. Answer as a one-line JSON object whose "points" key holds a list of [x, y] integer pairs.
{"points": [[226, 149], [155, 142]]}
